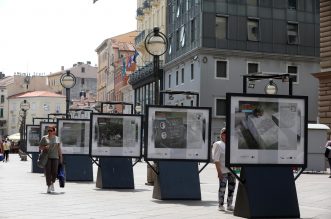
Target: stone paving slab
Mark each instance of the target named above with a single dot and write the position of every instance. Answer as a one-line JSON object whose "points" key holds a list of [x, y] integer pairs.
{"points": [[23, 195]]}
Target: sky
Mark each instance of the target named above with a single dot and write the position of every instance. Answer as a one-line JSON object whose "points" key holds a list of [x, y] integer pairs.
{"points": [[42, 35]]}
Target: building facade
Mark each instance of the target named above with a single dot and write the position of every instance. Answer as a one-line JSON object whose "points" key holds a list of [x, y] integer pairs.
{"points": [[86, 80], [41, 104], [115, 65], [213, 43], [150, 14], [324, 76]]}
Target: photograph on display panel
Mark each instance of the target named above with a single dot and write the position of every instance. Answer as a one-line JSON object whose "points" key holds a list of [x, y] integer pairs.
{"points": [[266, 129], [181, 133], [116, 135], [74, 136], [33, 138]]}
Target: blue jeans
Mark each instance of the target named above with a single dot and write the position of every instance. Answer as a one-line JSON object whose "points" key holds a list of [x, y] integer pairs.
{"points": [[231, 180]]}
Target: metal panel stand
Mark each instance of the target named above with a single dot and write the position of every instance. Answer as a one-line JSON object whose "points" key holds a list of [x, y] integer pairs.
{"points": [[177, 180], [34, 166], [115, 173], [267, 192], [78, 167]]}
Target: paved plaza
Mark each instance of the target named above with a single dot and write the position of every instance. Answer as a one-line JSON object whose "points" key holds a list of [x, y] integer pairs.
{"points": [[23, 195]]}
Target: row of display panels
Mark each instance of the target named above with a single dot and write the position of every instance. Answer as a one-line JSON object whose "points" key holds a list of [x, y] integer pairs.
{"points": [[172, 133], [261, 130]]}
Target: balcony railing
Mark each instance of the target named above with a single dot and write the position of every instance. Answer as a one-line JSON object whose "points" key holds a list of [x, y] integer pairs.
{"points": [[140, 38], [142, 73]]}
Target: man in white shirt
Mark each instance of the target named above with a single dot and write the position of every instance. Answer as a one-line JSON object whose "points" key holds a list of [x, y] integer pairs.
{"points": [[224, 175]]}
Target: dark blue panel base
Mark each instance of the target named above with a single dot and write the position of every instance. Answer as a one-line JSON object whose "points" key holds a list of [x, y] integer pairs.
{"points": [[34, 166], [177, 180], [78, 168], [268, 192], [115, 173]]}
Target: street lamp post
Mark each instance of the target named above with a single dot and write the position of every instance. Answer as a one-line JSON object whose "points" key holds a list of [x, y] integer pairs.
{"points": [[156, 44], [68, 81], [24, 106]]}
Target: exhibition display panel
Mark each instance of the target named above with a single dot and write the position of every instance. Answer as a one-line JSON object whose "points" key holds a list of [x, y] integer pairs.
{"points": [[265, 129], [74, 135], [33, 138], [116, 135], [177, 133]]}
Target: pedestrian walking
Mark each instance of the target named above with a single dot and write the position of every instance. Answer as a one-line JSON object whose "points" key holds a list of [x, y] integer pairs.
{"points": [[328, 154], [224, 174], [6, 149], [51, 144]]}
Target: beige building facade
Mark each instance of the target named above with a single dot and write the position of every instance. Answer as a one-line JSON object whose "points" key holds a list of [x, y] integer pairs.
{"points": [[41, 104], [324, 103]]}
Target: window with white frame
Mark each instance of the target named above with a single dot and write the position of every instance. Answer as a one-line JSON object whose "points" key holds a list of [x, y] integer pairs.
{"points": [[221, 69], [183, 76], [221, 27], [292, 33], [252, 68], [253, 29], [220, 109], [293, 71], [177, 78]]}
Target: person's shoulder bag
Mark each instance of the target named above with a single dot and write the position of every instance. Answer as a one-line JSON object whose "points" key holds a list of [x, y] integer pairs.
{"points": [[327, 151], [42, 159]]}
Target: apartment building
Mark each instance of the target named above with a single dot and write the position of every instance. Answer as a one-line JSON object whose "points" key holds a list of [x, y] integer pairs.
{"points": [[213, 43]]}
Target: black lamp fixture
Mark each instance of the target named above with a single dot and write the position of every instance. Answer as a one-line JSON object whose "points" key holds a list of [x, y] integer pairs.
{"points": [[68, 81], [156, 44]]}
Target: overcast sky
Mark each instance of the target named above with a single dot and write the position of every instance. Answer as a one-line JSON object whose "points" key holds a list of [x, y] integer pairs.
{"points": [[43, 35]]}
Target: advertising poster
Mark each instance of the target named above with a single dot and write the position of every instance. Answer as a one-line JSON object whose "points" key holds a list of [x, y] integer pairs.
{"points": [[74, 136], [116, 135], [179, 133], [267, 130], [33, 138]]}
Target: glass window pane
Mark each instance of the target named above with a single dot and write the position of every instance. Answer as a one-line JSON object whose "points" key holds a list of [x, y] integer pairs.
{"points": [[292, 33], [253, 30], [293, 71], [221, 69], [220, 107], [221, 27], [253, 68]]}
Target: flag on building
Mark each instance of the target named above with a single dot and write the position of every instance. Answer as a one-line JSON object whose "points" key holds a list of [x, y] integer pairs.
{"points": [[130, 60], [135, 56], [123, 67]]}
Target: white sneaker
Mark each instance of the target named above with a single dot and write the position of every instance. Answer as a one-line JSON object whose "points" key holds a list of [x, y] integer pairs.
{"points": [[49, 190], [230, 208], [221, 208], [52, 187]]}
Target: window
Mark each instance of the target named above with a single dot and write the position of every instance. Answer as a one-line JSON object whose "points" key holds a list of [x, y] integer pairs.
{"points": [[83, 81], [193, 30], [170, 42], [176, 78], [292, 33], [1, 113], [253, 30], [83, 69], [192, 71], [169, 82], [177, 39], [293, 71], [220, 107], [221, 27], [292, 4], [221, 69], [2, 98], [253, 68], [183, 76], [182, 36]]}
